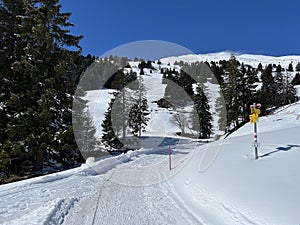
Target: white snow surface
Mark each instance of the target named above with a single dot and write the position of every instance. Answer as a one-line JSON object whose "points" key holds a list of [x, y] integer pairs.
{"points": [[98, 102], [249, 59], [137, 187]]}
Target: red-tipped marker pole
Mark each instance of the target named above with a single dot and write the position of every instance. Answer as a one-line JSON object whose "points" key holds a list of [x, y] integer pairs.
{"points": [[170, 167]]}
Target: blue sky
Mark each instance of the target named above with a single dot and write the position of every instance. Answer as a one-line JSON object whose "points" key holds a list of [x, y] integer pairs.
{"points": [[257, 26]]}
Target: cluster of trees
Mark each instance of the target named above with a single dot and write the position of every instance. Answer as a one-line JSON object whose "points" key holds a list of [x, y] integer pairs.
{"points": [[180, 92], [127, 114], [142, 65], [38, 75], [239, 86], [101, 72], [277, 89]]}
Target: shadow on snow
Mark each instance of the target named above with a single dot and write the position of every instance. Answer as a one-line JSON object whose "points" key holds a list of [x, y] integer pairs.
{"points": [[279, 149]]}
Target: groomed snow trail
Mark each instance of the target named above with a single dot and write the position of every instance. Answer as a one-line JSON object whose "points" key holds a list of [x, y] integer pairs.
{"points": [[129, 193], [83, 196], [115, 204]]}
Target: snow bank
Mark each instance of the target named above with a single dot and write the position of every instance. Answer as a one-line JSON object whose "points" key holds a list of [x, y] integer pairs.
{"points": [[236, 189]]}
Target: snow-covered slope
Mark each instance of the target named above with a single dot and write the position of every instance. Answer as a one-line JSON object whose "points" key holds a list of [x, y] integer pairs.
{"points": [[161, 120], [237, 189], [248, 59]]}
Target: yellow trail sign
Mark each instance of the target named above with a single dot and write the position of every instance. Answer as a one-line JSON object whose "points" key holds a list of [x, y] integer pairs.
{"points": [[255, 111], [253, 118]]}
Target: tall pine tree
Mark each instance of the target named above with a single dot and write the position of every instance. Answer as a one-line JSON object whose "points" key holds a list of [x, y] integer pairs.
{"points": [[39, 84], [139, 111], [202, 117]]}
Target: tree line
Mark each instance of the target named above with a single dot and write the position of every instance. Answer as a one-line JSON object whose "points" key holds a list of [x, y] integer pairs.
{"points": [[243, 85]]}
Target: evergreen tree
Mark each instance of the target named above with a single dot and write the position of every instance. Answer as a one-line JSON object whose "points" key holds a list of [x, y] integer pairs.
{"points": [[120, 109], [139, 111], [290, 68], [289, 92], [109, 137], [252, 75], [84, 127], [142, 71], [296, 80], [37, 70], [278, 87], [221, 110], [202, 117], [267, 92], [231, 92], [260, 67], [298, 67], [218, 72]]}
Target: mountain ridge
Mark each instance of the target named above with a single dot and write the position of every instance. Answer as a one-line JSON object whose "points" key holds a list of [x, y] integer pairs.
{"points": [[249, 59]]}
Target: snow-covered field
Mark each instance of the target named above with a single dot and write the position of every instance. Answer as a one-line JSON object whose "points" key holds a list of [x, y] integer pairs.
{"points": [[236, 189], [252, 60], [137, 187]]}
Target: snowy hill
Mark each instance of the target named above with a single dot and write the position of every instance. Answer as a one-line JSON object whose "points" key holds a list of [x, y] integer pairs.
{"points": [[252, 60], [162, 120]]}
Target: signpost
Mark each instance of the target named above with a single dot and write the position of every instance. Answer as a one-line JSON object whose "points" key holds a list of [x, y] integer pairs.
{"points": [[255, 111]]}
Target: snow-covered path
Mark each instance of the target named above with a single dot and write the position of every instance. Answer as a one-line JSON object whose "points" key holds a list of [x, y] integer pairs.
{"points": [[135, 192], [82, 196], [120, 205]]}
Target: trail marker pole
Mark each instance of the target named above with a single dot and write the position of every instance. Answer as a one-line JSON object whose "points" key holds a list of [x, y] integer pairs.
{"points": [[255, 141], [255, 111], [170, 167]]}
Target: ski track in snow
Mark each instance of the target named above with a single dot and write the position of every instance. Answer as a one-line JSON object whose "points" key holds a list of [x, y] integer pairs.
{"points": [[117, 204], [114, 203]]}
